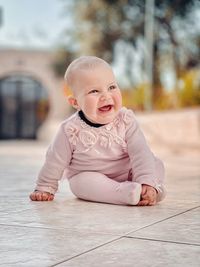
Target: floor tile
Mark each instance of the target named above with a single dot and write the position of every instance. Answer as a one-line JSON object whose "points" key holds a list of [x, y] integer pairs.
{"points": [[27, 247], [185, 188], [184, 228], [71, 213], [129, 252], [69, 230]]}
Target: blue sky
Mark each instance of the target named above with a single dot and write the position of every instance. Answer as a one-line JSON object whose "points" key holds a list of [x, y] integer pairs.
{"points": [[28, 23]]}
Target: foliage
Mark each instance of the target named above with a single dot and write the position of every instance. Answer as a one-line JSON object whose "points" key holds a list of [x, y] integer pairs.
{"points": [[134, 98], [189, 93], [100, 25]]}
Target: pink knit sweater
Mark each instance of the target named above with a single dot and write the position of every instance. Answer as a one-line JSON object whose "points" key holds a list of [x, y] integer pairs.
{"points": [[117, 149]]}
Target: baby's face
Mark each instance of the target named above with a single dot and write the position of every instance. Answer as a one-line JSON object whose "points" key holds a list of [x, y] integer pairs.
{"points": [[98, 94]]}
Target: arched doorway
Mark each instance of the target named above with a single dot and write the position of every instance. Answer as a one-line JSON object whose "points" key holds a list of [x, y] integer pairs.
{"points": [[23, 107]]}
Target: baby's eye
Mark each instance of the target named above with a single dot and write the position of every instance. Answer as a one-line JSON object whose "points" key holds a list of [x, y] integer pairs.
{"points": [[93, 91], [112, 87]]}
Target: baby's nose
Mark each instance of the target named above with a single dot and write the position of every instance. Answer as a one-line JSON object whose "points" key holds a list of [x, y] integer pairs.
{"points": [[105, 95]]}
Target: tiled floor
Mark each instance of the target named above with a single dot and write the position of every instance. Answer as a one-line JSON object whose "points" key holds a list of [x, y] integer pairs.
{"points": [[70, 232]]}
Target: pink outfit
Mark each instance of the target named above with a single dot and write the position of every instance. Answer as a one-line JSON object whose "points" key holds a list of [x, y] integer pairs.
{"points": [[104, 164]]}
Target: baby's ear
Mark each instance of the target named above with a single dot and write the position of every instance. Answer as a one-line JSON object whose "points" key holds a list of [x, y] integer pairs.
{"points": [[73, 102]]}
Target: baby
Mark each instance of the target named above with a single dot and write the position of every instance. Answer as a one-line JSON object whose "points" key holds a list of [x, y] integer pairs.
{"points": [[100, 148]]}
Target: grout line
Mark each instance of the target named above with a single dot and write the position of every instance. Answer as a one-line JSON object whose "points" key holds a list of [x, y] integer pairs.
{"points": [[164, 241], [87, 251], [97, 232], [121, 235], [82, 231], [31, 226], [116, 239], [162, 220], [124, 236]]}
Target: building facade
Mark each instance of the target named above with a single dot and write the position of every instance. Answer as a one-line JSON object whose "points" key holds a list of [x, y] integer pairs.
{"points": [[32, 98]]}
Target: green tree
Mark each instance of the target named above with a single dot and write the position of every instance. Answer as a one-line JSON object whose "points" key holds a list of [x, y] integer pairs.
{"points": [[100, 24]]}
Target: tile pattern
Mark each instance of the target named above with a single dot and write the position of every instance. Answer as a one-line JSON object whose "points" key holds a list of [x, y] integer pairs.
{"points": [[71, 232]]}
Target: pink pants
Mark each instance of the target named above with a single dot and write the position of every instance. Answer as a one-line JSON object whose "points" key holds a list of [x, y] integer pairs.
{"points": [[97, 187]]}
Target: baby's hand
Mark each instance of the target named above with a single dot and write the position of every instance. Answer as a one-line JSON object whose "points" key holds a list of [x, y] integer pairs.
{"points": [[148, 196], [41, 196]]}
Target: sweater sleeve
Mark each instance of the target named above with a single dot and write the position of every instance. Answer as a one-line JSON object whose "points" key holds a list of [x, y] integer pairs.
{"points": [[58, 157], [146, 168]]}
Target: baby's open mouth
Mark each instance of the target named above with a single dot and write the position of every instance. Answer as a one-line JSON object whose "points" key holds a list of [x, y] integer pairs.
{"points": [[105, 108]]}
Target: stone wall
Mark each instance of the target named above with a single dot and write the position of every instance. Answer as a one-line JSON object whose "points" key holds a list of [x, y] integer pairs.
{"points": [[176, 129]]}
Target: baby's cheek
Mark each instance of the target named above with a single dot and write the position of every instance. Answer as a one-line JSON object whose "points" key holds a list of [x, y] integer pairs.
{"points": [[119, 101]]}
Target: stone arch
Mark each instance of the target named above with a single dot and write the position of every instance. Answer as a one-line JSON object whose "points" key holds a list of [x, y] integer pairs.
{"points": [[24, 105], [38, 64]]}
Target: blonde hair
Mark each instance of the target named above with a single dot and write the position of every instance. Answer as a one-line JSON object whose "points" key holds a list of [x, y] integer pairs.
{"points": [[81, 63]]}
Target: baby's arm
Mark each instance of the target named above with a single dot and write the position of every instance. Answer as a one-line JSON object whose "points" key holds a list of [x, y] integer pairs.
{"points": [[146, 168], [57, 159]]}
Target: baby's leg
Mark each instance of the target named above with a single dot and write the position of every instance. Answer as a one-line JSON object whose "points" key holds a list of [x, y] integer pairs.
{"points": [[95, 186]]}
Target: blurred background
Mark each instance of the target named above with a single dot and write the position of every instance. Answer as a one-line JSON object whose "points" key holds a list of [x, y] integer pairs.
{"points": [[153, 47]]}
